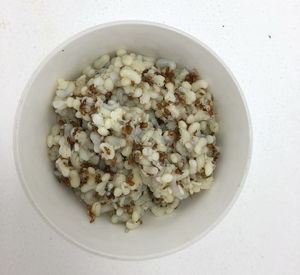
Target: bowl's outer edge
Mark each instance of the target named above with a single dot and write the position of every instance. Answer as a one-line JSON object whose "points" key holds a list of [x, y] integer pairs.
{"points": [[19, 167]]}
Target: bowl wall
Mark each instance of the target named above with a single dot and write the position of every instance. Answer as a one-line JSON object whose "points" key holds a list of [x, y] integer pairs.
{"points": [[157, 236]]}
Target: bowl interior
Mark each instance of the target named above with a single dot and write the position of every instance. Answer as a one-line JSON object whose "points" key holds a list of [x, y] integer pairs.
{"points": [[157, 236]]}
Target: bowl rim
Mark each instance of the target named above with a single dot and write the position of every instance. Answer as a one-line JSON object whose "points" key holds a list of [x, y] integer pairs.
{"points": [[18, 164]]}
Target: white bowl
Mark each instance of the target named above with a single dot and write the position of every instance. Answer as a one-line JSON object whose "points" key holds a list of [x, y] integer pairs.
{"points": [[157, 236]]}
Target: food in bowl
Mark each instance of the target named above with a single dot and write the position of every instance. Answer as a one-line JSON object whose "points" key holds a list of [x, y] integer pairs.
{"points": [[133, 134]]}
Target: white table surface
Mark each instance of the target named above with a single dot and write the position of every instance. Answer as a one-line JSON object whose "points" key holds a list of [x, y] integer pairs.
{"points": [[259, 41]]}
